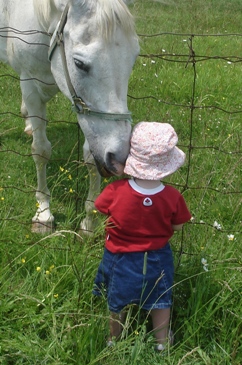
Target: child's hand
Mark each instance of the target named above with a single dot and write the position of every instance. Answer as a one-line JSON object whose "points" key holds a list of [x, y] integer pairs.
{"points": [[177, 227]]}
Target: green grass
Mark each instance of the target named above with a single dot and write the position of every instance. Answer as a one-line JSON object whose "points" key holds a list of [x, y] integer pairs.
{"points": [[47, 312]]}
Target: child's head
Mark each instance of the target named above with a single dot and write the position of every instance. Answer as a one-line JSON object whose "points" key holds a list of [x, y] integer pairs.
{"points": [[153, 152]]}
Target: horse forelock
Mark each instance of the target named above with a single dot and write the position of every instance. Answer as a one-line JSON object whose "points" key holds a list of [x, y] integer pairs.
{"points": [[108, 14]]}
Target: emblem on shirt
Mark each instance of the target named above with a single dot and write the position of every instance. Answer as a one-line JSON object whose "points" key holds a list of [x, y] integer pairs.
{"points": [[147, 202]]}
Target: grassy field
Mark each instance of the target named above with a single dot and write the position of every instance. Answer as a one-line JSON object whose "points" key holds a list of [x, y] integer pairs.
{"points": [[190, 75]]}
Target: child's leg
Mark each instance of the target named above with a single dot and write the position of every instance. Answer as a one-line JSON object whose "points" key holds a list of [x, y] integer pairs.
{"points": [[116, 323], [160, 320]]}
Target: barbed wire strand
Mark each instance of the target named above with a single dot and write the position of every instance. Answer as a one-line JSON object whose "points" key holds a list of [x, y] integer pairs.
{"points": [[188, 59]]}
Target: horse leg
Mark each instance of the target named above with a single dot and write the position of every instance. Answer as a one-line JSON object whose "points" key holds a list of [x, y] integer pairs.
{"points": [[43, 220], [90, 222]]}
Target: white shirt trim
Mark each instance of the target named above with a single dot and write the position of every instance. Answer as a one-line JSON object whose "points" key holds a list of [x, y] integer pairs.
{"points": [[144, 191]]}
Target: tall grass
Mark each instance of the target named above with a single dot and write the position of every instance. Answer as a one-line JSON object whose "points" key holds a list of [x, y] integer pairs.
{"points": [[48, 313]]}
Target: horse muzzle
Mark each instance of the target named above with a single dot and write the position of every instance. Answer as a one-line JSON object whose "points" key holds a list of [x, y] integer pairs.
{"points": [[109, 167]]}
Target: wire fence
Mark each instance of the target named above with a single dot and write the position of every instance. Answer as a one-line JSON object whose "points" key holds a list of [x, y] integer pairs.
{"points": [[227, 187]]}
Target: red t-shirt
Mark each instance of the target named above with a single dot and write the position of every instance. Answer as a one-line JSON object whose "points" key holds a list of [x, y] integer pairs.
{"points": [[140, 219]]}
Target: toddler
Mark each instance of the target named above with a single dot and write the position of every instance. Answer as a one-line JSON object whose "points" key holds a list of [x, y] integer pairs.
{"points": [[143, 213]]}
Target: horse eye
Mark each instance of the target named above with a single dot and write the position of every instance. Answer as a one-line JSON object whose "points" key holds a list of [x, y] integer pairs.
{"points": [[81, 65]]}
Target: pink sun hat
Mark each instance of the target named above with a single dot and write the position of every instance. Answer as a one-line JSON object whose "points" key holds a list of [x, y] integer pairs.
{"points": [[153, 152]]}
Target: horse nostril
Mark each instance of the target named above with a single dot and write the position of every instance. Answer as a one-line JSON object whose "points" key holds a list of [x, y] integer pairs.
{"points": [[109, 161], [113, 165]]}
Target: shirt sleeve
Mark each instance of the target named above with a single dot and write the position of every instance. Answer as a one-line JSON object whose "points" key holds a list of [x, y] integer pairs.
{"points": [[182, 214], [104, 200]]}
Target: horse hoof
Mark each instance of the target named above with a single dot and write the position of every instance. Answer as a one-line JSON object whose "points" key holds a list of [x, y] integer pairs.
{"points": [[43, 228], [87, 227], [85, 233]]}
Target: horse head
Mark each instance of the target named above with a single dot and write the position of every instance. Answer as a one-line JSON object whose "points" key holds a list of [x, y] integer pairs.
{"points": [[92, 53]]}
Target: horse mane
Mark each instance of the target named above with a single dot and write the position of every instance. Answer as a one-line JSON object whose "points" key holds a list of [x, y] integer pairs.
{"points": [[43, 11], [108, 13]]}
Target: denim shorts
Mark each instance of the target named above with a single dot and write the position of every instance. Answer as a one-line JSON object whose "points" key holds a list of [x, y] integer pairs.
{"points": [[142, 278]]}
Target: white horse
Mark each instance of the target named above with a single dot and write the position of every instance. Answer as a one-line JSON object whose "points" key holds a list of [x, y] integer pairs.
{"points": [[86, 49]]}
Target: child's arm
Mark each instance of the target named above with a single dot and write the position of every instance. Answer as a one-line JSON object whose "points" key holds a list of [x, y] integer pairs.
{"points": [[182, 214], [177, 227], [104, 199]]}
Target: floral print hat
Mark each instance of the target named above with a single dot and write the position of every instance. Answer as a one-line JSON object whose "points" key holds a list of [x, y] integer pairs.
{"points": [[153, 152]]}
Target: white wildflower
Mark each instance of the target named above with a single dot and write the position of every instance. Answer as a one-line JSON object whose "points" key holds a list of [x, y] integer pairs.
{"points": [[205, 264], [230, 237], [217, 225]]}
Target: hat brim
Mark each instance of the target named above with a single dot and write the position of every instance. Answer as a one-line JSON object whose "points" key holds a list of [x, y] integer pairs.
{"points": [[168, 164]]}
